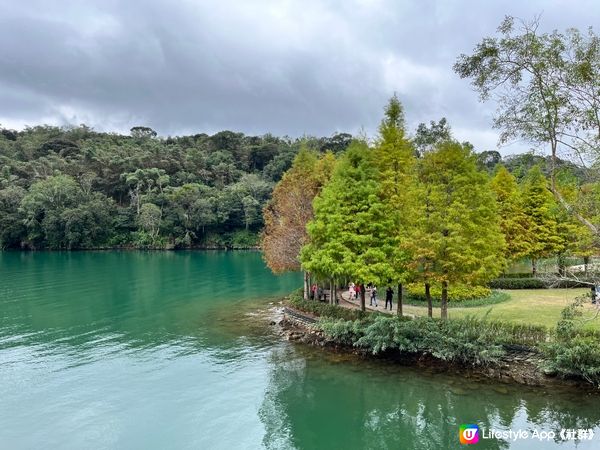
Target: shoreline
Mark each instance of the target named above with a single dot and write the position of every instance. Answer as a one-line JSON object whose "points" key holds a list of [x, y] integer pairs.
{"points": [[520, 365], [108, 249]]}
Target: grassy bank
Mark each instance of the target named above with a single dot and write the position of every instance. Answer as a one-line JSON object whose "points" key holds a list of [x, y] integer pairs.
{"points": [[524, 306]]}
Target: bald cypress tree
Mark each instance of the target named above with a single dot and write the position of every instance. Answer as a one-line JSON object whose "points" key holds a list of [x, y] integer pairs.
{"points": [[395, 157], [515, 224], [350, 232], [458, 238], [290, 209], [539, 206]]}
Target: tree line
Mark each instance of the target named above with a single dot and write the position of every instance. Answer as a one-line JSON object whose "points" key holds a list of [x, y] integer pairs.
{"points": [[396, 210], [76, 188]]}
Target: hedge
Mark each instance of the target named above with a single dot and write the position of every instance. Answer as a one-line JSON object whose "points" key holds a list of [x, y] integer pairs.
{"points": [[517, 283], [494, 298], [323, 309], [456, 292], [533, 283], [517, 275]]}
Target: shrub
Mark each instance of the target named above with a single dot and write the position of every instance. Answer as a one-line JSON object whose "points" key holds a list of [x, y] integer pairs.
{"points": [[120, 240], [323, 309], [578, 356], [342, 331], [517, 275], [518, 283], [143, 239], [534, 283], [574, 351], [492, 299], [570, 284], [508, 333], [215, 240], [468, 340], [244, 239], [456, 293]]}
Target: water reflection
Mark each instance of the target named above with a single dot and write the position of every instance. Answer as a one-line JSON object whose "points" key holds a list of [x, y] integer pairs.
{"points": [[341, 403]]}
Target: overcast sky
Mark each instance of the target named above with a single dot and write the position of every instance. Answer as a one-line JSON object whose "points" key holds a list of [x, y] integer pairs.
{"points": [[285, 66]]}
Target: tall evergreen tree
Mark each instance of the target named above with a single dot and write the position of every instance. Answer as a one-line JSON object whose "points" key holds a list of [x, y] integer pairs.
{"points": [[350, 233], [539, 204], [394, 155], [515, 224], [458, 239]]}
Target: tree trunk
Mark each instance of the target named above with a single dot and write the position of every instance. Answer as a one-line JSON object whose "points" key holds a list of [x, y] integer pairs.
{"points": [[362, 298], [444, 305], [429, 302], [534, 267], [399, 299], [331, 292], [335, 288], [586, 263], [137, 200], [305, 285]]}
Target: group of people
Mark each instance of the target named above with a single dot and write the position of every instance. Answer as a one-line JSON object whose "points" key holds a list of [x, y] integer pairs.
{"points": [[354, 291], [316, 292]]}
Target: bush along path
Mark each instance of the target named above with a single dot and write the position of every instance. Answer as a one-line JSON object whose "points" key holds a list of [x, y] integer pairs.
{"points": [[527, 354]]}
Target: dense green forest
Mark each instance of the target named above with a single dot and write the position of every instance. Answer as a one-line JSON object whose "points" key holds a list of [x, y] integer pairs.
{"points": [[73, 187], [76, 188]]}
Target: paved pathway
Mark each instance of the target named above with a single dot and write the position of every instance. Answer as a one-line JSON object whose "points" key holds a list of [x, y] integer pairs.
{"points": [[355, 303]]}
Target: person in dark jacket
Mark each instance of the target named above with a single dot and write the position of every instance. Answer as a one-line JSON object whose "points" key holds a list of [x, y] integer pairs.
{"points": [[374, 296], [389, 295]]}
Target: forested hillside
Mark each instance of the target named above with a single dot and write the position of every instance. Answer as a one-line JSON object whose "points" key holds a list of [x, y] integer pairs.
{"points": [[71, 188]]}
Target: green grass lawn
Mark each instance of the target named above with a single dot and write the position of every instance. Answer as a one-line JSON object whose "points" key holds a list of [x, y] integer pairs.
{"points": [[527, 306]]}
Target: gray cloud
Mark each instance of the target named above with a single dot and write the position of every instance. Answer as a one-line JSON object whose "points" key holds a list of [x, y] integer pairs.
{"points": [[287, 67]]}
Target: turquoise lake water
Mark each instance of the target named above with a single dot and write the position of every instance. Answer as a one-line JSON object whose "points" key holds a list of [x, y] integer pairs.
{"points": [[144, 350]]}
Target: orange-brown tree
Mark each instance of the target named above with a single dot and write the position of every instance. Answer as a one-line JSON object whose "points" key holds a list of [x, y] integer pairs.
{"points": [[290, 209]]}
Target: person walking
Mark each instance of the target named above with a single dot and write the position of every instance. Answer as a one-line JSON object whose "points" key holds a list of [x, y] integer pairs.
{"points": [[313, 291], [357, 291], [374, 296], [389, 295], [351, 291]]}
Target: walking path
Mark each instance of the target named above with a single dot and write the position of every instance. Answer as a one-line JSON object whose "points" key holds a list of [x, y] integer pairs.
{"points": [[346, 302]]}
